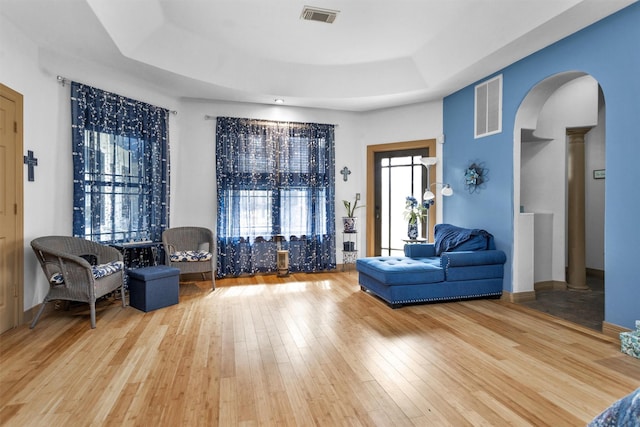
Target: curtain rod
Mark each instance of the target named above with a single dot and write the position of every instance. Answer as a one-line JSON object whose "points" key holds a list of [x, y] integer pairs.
{"points": [[63, 81], [208, 117]]}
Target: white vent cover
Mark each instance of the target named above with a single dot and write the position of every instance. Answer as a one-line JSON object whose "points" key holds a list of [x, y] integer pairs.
{"points": [[320, 15], [488, 108]]}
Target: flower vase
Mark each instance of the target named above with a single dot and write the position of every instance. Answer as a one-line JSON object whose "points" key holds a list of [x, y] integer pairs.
{"points": [[412, 231]]}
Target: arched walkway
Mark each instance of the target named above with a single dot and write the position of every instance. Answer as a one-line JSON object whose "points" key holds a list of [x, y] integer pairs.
{"points": [[546, 175]]}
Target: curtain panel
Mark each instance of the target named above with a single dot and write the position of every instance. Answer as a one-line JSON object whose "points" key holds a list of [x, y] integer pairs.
{"points": [[120, 167], [275, 190]]}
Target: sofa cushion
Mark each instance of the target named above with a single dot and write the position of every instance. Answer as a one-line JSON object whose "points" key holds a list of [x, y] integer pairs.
{"points": [[470, 258], [419, 250], [449, 238], [98, 271], [402, 270], [475, 272]]}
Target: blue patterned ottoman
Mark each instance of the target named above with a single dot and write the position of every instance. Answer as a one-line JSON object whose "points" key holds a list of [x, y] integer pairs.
{"points": [[151, 288]]}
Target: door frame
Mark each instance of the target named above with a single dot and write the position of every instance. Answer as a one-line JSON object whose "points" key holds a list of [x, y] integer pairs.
{"points": [[17, 98], [429, 144]]}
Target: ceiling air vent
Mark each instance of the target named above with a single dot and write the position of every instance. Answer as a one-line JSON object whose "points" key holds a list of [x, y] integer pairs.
{"points": [[320, 15]]}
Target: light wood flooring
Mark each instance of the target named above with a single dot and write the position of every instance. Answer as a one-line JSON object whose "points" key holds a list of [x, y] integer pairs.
{"points": [[308, 350]]}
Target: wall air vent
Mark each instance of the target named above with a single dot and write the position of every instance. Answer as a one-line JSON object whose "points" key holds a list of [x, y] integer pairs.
{"points": [[488, 107], [320, 15]]}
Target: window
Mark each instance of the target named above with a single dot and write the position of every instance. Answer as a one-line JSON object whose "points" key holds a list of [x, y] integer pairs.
{"points": [[274, 179], [120, 167]]}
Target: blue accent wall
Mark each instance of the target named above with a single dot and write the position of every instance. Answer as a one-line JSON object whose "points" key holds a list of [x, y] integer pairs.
{"points": [[608, 50]]}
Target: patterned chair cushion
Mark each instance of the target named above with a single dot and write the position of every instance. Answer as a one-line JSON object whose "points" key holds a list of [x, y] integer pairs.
{"points": [[98, 271], [190, 256]]}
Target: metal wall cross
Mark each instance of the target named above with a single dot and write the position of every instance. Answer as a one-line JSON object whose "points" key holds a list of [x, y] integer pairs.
{"points": [[30, 161], [345, 173]]}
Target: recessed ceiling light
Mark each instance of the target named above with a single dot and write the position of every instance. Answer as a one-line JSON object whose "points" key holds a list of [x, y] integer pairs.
{"points": [[279, 101]]}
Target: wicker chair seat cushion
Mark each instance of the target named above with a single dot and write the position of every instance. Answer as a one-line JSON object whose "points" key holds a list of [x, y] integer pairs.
{"points": [[191, 256], [98, 271]]}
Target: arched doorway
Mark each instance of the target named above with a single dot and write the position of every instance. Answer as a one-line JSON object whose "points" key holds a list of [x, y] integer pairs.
{"points": [[545, 170]]}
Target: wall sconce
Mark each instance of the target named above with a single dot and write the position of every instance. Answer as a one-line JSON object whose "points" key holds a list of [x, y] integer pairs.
{"points": [[446, 188], [446, 191]]}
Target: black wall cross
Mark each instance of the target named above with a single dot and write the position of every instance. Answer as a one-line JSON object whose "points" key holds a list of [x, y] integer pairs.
{"points": [[30, 161], [345, 173]]}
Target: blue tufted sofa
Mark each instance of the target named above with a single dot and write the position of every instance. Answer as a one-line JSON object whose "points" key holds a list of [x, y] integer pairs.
{"points": [[460, 264]]}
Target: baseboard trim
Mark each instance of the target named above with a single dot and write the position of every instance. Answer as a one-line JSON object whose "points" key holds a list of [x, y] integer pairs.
{"points": [[50, 307], [612, 330], [518, 297], [550, 285], [595, 273]]}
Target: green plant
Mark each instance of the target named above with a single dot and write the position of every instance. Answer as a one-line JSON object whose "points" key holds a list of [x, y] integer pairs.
{"points": [[351, 209]]}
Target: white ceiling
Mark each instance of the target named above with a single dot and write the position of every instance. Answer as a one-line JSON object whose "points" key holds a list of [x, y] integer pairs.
{"points": [[377, 53]]}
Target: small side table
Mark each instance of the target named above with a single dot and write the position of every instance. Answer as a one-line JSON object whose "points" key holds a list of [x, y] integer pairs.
{"points": [[141, 254], [349, 248]]}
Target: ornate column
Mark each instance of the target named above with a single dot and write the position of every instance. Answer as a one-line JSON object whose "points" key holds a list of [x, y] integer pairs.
{"points": [[577, 271]]}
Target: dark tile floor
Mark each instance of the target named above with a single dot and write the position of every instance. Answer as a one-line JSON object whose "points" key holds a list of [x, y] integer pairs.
{"points": [[583, 307]]}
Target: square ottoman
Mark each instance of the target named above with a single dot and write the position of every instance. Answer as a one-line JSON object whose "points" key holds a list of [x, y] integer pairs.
{"points": [[151, 288]]}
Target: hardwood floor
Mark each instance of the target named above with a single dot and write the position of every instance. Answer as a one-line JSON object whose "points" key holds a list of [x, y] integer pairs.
{"points": [[309, 350]]}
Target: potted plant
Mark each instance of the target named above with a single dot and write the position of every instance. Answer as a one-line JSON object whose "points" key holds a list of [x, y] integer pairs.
{"points": [[349, 221]]}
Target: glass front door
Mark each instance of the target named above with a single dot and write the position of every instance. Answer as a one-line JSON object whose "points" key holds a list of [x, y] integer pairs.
{"points": [[398, 174]]}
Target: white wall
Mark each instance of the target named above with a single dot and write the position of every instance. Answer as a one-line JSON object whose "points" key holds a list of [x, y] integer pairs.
{"points": [[408, 123], [48, 200], [594, 191], [193, 154]]}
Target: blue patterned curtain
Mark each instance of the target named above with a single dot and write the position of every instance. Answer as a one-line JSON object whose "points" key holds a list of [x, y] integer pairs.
{"points": [[120, 167], [275, 190]]}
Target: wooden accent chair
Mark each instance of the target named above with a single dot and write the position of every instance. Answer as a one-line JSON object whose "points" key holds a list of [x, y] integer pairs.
{"points": [[78, 270], [189, 249]]}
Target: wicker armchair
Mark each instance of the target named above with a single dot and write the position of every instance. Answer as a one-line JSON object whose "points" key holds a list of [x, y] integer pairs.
{"points": [[189, 249], [67, 264]]}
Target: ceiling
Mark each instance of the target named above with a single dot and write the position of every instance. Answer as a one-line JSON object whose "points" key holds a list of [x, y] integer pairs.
{"points": [[377, 53]]}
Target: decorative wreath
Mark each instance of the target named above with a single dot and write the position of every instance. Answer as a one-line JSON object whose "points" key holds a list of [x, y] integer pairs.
{"points": [[474, 177]]}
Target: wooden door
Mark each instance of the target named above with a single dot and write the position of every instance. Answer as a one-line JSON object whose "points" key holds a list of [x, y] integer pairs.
{"points": [[11, 232], [375, 206]]}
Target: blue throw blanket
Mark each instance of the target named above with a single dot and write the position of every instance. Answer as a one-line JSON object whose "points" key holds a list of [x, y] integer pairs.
{"points": [[449, 237]]}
